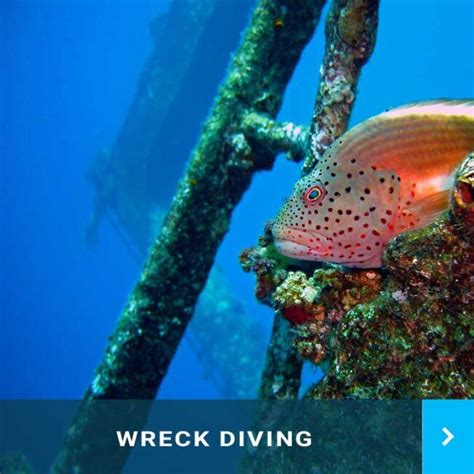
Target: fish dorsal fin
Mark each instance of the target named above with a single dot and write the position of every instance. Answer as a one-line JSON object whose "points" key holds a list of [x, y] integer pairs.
{"points": [[464, 107], [366, 139], [423, 211]]}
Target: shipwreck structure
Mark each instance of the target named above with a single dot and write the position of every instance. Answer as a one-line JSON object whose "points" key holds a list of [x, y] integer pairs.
{"points": [[400, 332], [191, 46]]}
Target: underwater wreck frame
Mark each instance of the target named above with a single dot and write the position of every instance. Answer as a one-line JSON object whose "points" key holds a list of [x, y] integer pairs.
{"points": [[367, 325]]}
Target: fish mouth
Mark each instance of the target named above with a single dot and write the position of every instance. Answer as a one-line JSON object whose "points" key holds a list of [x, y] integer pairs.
{"points": [[297, 246]]}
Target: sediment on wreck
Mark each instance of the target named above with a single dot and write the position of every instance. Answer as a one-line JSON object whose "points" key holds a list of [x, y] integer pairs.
{"points": [[351, 29], [220, 170]]}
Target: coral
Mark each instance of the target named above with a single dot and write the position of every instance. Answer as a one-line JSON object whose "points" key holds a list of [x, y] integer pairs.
{"points": [[339, 292], [415, 339], [267, 264], [316, 303]]}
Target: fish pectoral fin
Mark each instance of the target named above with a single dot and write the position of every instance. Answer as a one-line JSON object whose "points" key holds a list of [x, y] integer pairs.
{"points": [[426, 210], [432, 205]]}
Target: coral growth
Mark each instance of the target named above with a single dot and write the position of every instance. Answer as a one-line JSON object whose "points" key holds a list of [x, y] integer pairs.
{"points": [[268, 265], [314, 303]]}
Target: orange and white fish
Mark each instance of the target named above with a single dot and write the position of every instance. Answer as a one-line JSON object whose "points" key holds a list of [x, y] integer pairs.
{"points": [[387, 175]]}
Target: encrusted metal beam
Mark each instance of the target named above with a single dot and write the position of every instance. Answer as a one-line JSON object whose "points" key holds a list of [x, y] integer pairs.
{"points": [[351, 30], [160, 307], [276, 137]]}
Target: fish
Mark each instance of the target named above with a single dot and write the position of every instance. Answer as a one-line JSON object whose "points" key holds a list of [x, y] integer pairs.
{"points": [[387, 175]]}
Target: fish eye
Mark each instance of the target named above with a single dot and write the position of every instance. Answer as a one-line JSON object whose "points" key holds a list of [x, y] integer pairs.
{"points": [[313, 194]]}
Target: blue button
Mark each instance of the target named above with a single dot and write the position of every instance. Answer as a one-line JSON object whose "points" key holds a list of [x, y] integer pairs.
{"points": [[448, 437]]}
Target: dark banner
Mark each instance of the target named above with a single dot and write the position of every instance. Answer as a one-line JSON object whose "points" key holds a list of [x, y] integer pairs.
{"points": [[210, 437]]}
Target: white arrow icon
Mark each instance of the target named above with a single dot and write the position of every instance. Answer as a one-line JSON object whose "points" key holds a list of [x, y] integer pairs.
{"points": [[449, 436]]}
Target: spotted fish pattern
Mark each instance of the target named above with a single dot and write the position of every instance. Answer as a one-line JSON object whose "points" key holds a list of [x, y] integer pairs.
{"points": [[387, 175]]}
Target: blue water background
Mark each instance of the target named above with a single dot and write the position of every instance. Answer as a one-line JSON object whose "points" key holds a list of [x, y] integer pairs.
{"points": [[68, 74]]}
